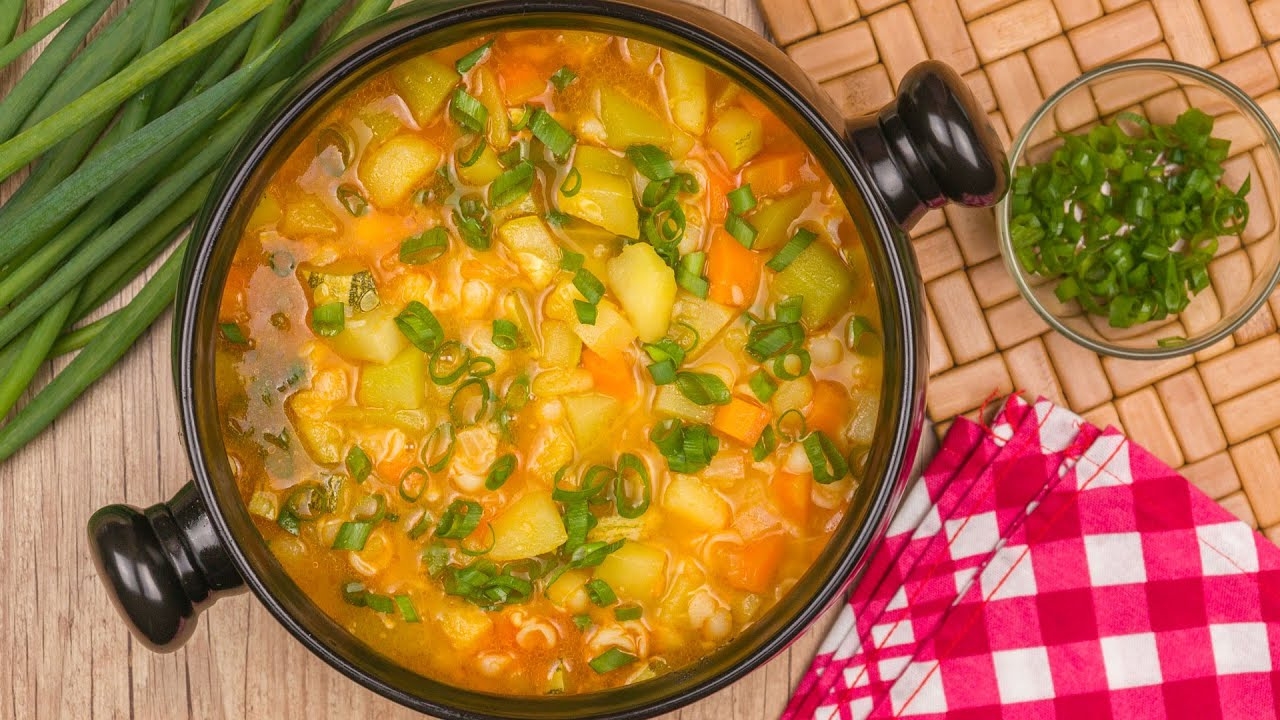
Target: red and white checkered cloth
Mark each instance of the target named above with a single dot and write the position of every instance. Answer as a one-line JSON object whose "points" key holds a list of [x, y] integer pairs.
{"points": [[1043, 568]]}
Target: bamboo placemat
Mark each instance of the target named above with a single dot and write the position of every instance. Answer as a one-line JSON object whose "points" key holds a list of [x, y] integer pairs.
{"points": [[1216, 415]]}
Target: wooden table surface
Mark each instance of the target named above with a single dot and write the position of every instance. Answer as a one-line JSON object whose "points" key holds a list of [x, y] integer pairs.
{"points": [[63, 651]]}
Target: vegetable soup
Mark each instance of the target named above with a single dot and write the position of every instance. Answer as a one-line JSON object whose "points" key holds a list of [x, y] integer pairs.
{"points": [[549, 361]]}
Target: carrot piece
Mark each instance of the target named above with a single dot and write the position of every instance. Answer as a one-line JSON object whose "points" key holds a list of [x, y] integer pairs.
{"points": [[830, 409], [791, 494], [774, 174], [612, 375], [733, 271], [520, 80], [741, 420], [395, 466], [773, 125], [753, 566]]}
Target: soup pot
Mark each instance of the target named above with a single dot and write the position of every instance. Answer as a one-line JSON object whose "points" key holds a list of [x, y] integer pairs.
{"points": [[932, 145]]}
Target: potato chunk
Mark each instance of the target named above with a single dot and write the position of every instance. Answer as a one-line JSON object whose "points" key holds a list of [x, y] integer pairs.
{"points": [[636, 571], [397, 167], [695, 503], [527, 527], [610, 334], [627, 122], [686, 83], [591, 416], [371, 337], [603, 199], [533, 248], [737, 136], [398, 385], [424, 84], [646, 287]]}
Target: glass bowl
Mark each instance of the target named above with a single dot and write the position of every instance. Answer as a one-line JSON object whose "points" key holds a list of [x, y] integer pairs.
{"points": [[1243, 271]]}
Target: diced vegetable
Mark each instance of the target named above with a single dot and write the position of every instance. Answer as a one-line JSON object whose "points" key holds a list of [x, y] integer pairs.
{"points": [[561, 347], [790, 493], [669, 401], [646, 287], [566, 585], [483, 171], [591, 416], [773, 219], [627, 122], [390, 172], [793, 395], [753, 566], [424, 84], [398, 385], [640, 53], [321, 439], [556, 382], [603, 199], [733, 271], [612, 375], [307, 216], [532, 246], [610, 334], [370, 337], [696, 504], [612, 528], [775, 174], [464, 624], [830, 410], [591, 157], [527, 527], [737, 136], [266, 212], [741, 420], [705, 317], [822, 278], [635, 571], [686, 83]]}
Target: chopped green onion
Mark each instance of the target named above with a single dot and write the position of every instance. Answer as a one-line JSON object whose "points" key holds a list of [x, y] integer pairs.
{"points": [[460, 519], [687, 448], [449, 363], [861, 337], [768, 340], [468, 156], [551, 133], [352, 200], [651, 162], [563, 77], [582, 622], [789, 252], [468, 61], [379, 603], [572, 183], [765, 446], [353, 593], [493, 540], [589, 285], [425, 247], [512, 185], [420, 526], [359, 466], [631, 473], [628, 612], [828, 464], [434, 454], [571, 261], [329, 319], [578, 521], [593, 481], [611, 660], [557, 219], [232, 333], [506, 335], [512, 155], [600, 593], [789, 310], [702, 388], [470, 403], [499, 471], [663, 372], [352, 535], [689, 274], [787, 369], [482, 366], [586, 312], [741, 200], [407, 611], [413, 483], [791, 434], [762, 386], [420, 326], [468, 112], [741, 230], [436, 556]]}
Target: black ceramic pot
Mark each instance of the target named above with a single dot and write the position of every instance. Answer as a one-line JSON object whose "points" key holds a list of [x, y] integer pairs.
{"points": [[933, 145]]}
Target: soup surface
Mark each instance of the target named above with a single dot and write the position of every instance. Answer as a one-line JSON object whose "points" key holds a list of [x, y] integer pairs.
{"points": [[548, 362]]}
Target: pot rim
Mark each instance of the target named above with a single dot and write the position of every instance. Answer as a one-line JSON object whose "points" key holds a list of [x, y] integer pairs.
{"points": [[897, 289]]}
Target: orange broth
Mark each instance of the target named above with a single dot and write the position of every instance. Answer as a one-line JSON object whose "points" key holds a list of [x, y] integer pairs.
{"points": [[442, 340]]}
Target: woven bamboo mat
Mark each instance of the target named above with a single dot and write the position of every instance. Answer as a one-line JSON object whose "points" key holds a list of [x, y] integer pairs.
{"points": [[1216, 416]]}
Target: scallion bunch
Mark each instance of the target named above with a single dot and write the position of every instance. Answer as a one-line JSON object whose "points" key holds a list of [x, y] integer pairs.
{"points": [[123, 136]]}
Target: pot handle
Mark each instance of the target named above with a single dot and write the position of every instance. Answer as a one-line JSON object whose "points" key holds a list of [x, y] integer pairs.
{"points": [[930, 146], [161, 566]]}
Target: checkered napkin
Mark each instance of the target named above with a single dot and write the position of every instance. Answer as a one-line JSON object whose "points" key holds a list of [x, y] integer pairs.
{"points": [[1043, 568]]}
